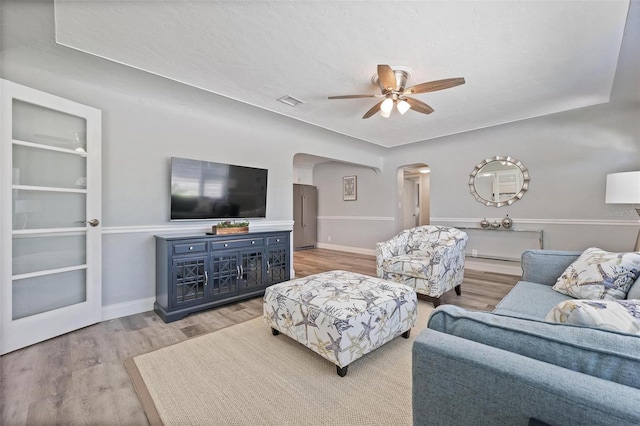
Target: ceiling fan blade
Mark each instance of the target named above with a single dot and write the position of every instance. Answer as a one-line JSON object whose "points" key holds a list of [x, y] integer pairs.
{"points": [[373, 110], [432, 86], [387, 77], [419, 106], [352, 96]]}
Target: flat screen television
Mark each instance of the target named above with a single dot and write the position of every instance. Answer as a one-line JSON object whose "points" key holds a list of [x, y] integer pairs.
{"points": [[207, 190]]}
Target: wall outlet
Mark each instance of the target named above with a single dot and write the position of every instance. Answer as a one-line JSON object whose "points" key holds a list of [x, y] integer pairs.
{"points": [[474, 252], [329, 238]]}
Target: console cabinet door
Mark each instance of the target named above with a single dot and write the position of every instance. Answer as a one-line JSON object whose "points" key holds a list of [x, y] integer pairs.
{"points": [[251, 269], [225, 274], [277, 264], [190, 280]]}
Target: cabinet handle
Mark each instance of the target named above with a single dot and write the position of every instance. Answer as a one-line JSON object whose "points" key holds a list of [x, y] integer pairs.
{"points": [[241, 271], [238, 271], [226, 244], [191, 248], [206, 278], [268, 267], [253, 242]]}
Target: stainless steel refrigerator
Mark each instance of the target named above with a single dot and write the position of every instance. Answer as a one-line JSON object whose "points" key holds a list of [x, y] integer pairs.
{"points": [[305, 216]]}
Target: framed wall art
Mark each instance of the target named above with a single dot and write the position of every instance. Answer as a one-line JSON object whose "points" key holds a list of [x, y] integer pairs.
{"points": [[349, 188]]}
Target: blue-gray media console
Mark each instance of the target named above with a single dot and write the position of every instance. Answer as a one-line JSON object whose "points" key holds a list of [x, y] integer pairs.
{"points": [[200, 272]]}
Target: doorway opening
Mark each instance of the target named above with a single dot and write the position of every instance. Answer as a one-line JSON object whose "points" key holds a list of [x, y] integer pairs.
{"points": [[414, 190]]}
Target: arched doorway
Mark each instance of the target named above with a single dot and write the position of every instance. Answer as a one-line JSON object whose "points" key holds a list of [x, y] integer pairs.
{"points": [[414, 188]]}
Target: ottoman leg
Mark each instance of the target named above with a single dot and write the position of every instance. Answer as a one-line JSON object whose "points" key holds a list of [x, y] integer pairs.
{"points": [[342, 371], [458, 289], [406, 334], [274, 331]]}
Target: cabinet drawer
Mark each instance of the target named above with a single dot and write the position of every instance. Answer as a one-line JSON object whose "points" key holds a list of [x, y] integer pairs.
{"points": [[248, 242], [280, 239], [189, 248]]}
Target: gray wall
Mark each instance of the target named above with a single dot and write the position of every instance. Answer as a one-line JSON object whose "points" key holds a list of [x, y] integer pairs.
{"points": [[568, 156], [148, 119], [352, 225]]}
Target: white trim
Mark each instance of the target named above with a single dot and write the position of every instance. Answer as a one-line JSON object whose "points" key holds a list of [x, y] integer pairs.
{"points": [[48, 272], [45, 232], [48, 189], [48, 147], [283, 225], [519, 221], [500, 267], [347, 249], [124, 309], [381, 218]]}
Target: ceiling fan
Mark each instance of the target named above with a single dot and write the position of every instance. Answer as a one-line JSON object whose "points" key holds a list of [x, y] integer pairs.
{"points": [[392, 82]]}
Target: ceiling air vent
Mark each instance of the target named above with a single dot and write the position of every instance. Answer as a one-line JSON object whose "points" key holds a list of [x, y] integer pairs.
{"points": [[290, 100]]}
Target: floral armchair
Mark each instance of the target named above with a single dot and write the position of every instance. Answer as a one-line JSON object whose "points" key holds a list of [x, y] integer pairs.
{"points": [[429, 258]]}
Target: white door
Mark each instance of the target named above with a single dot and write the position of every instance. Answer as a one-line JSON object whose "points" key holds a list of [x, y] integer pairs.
{"points": [[409, 203], [49, 216]]}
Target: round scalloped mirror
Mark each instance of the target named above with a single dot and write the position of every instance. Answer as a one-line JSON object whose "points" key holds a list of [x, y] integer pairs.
{"points": [[499, 181]]}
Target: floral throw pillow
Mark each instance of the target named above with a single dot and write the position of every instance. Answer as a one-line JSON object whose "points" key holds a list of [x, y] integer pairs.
{"points": [[616, 315], [599, 274]]}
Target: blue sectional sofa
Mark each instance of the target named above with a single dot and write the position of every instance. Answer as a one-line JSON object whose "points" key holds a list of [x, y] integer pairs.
{"points": [[510, 367]]}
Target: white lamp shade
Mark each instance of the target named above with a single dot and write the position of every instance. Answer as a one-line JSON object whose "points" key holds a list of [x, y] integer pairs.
{"points": [[403, 106], [623, 188], [387, 105]]}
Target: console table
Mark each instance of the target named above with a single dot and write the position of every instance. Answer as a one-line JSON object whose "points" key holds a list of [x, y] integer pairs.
{"points": [[199, 272], [504, 231]]}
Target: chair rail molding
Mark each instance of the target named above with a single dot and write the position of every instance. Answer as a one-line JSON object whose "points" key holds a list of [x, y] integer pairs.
{"points": [[374, 218], [519, 221], [282, 225]]}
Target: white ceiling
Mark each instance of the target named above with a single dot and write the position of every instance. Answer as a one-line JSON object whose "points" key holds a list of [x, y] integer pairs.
{"points": [[520, 59]]}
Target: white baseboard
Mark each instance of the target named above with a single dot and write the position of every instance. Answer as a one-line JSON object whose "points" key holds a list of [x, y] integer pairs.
{"points": [[124, 309], [347, 249], [487, 265], [497, 266]]}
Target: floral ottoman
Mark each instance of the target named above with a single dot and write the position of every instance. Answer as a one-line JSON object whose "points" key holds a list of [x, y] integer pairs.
{"points": [[340, 315]]}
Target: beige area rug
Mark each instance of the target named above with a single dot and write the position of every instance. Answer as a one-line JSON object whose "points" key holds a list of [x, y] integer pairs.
{"points": [[243, 375]]}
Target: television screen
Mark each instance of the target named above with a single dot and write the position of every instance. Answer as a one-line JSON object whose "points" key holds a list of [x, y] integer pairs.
{"points": [[207, 190]]}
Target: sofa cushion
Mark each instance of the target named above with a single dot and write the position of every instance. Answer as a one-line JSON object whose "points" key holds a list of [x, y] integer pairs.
{"points": [[616, 315], [634, 291], [605, 354], [599, 274], [529, 300], [545, 266]]}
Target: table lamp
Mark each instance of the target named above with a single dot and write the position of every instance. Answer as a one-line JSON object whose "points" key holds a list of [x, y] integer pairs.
{"points": [[624, 188]]}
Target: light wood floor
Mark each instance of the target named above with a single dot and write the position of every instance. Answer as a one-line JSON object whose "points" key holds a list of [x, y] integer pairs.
{"points": [[79, 378]]}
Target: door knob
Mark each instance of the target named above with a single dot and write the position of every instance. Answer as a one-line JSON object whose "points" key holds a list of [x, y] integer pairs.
{"points": [[92, 222]]}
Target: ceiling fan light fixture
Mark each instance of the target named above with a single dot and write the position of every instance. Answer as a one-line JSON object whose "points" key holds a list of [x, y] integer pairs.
{"points": [[403, 106], [392, 82]]}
